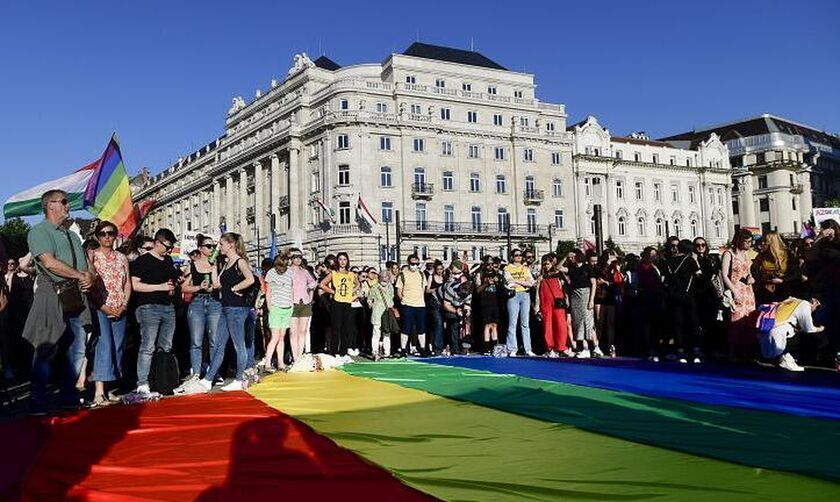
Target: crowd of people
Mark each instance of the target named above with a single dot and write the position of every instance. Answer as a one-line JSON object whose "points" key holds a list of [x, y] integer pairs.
{"points": [[103, 313]]}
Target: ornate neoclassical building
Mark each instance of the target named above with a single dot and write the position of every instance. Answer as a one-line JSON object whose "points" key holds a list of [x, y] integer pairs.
{"points": [[458, 145], [647, 189]]}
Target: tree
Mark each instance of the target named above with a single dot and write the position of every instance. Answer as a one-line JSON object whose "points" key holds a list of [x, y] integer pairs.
{"points": [[611, 245], [565, 247], [833, 202], [13, 232]]}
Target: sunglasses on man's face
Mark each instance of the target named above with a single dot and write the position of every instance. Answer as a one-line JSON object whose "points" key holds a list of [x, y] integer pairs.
{"points": [[63, 202], [169, 247], [106, 233]]}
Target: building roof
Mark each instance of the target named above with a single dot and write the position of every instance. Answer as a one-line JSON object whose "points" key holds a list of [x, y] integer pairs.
{"points": [[756, 126], [576, 124], [326, 63], [451, 55], [636, 141]]}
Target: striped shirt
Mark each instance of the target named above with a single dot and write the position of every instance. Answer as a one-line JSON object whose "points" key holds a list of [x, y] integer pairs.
{"points": [[279, 288]]}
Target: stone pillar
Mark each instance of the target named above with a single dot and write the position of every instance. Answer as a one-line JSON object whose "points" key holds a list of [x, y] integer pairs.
{"points": [[214, 206], [746, 202], [275, 191], [806, 201], [729, 225], [259, 198], [705, 208], [243, 204], [229, 223], [294, 189]]}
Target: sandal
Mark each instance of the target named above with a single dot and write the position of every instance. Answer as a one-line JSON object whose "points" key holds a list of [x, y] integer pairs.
{"points": [[98, 402]]}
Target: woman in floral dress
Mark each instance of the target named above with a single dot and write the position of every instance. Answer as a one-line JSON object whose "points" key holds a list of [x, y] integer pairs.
{"points": [[735, 272]]}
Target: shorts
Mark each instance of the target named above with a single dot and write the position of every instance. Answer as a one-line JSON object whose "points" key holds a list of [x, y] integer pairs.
{"points": [[302, 310], [280, 317], [413, 317]]}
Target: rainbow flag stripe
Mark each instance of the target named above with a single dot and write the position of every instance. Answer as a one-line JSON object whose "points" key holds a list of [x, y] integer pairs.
{"points": [[108, 194]]}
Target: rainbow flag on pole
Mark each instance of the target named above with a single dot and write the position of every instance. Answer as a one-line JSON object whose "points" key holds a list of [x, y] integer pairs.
{"points": [[108, 194]]}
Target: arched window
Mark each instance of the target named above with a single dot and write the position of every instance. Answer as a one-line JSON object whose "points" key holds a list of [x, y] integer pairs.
{"points": [[660, 228], [693, 225], [640, 226], [717, 229], [677, 230], [622, 226]]}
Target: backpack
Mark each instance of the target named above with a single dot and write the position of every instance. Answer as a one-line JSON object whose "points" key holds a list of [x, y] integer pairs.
{"points": [[673, 287], [163, 374]]}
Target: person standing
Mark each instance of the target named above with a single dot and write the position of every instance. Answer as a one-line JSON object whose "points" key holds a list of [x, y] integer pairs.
{"points": [[303, 286], [436, 280], [111, 295], [681, 272], [456, 299], [343, 285], [582, 304], [519, 280], [411, 288], [738, 281], [153, 279], [279, 280], [381, 299], [205, 309], [54, 326], [19, 289], [553, 306], [488, 303]]}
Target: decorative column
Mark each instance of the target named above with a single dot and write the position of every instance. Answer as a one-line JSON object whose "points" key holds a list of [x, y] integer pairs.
{"points": [[294, 186], [747, 202], [705, 208], [243, 203], [729, 227], [229, 223], [274, 204], [214, 206], [259, 199], [806, 202]]}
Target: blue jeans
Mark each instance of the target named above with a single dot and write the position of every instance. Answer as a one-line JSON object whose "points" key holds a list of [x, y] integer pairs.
{"points": [[519, 307], [107, 361], [234, 328], [203, 316], [437, 327], [157, 327], [71, 348], [250, 334]]}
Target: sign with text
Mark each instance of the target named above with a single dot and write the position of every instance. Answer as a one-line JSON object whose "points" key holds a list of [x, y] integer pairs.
{"points": [[826, 213]]}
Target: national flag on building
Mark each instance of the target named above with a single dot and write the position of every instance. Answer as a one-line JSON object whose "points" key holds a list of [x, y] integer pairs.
{"points": [[326, 209], [364, 213], [28, 202]]}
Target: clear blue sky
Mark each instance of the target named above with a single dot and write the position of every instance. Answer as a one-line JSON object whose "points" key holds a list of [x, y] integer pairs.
{"points": [[162, 73]]}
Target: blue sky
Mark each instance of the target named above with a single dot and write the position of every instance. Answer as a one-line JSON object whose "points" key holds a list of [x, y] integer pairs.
{"points": [[162, 73]]}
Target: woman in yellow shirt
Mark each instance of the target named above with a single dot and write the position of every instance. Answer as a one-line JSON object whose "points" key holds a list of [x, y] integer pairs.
{"points": [[343, 285]]}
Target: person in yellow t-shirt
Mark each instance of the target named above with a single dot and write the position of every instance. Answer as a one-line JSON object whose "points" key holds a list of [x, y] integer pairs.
{"points": [[411, 289], [343, 285], [518, 278]]}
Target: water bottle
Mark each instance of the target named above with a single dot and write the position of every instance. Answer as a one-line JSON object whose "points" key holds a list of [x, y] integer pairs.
{"points": [[214, 256]]}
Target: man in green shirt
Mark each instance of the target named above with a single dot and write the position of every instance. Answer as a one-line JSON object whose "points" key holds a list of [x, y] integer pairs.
{"points": [[59, 257]]}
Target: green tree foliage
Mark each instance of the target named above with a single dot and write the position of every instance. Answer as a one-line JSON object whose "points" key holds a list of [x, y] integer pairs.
{"points": [[13, 232], [564, 247]]}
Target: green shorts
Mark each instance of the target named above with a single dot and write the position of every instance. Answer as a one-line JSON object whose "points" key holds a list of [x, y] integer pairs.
{"points": [[302, 310], [279, 318]]}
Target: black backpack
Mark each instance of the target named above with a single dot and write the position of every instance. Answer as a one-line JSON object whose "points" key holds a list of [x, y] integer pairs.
{"points": [[164, 375]]}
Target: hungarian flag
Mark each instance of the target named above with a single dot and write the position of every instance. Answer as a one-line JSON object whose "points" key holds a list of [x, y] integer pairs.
{"points": [[326, 209], [364, 213], [28, 202]]}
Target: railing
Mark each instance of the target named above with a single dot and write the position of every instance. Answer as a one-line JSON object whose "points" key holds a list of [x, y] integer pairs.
{"points": [[533, 196], [470, 228], [422, 190]]}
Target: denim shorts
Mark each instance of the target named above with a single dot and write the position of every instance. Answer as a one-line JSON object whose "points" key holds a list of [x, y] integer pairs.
{"points": [[413, 316]]}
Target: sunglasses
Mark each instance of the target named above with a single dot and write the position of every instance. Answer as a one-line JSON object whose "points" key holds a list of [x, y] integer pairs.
{"points": [[63, 202], [517, 256], [700, 245], [169, 247], [208, 246], [106, 233], [147, 248]]}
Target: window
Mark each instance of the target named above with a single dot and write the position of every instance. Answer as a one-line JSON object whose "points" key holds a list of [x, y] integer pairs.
{"points": [[343, 104], [498, 119], [419, 177], [556, 158], [473, 152], [344, 213], [655, 158], [528, 155], [446, 148], [587, 187], [502, 219], [343, 141], [531, 220], [410, 79], [448, 180], [622, 226], [592, 225], [675, 193], [385, 177], [688, 162], [500, 153], [640, 226], [381, 108], [720, 196], [475, 218], [420, 215], [385, 143], [672, 160], [517, 94], [419, 145], [523, 121], [387, 212], [416, 109], [501, 183], [693, 227], [793, 203], [445, 113], [677, 228], [549, 126], [734, 207], [343, 174], [618, 154], [557, 188], [472, 117], [559, 219], [466, 86], [764, 205], [692, 196], [421, 251], [637, 157], [717, 229], [491, 89], [449, 218], [475, 182], [440, 83], [530, 186], [711, 195], [660, 228], [619, 189], [657, 192]]}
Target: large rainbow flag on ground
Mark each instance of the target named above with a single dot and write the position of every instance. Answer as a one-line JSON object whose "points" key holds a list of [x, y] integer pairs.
{"points": [[459, 428]]}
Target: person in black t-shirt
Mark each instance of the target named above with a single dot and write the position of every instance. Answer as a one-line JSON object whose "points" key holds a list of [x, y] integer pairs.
{"points": [[681, 271], [153, 278]]}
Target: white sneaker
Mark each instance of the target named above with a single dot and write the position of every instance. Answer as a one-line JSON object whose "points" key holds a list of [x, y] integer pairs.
{"points": [[195, 387], [787, 362], [353, 352], [696, 360], [682, 360], [234, 385], [653, 359], [583, 354], [187, 381], [530, 353], [568, 353], [597, 352], [553, 354], [143, 390]]}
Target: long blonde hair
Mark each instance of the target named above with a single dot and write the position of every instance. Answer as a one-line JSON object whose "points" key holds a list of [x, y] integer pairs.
{"points": [[238, 243], [777, 249]]}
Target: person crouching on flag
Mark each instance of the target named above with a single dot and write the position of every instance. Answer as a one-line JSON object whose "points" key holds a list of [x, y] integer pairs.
{"points": [[54, 326], [778, 324]]}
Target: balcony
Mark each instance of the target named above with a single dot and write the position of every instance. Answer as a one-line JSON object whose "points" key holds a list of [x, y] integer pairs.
{"points": [[450, 229], [533, 197], [422, 191]]}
